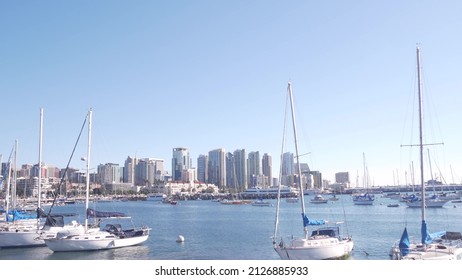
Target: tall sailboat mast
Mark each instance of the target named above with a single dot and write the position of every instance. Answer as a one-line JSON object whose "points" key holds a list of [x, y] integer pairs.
{"points": [[39, 198], [299, 173], [15, 176], [419, 86], [87, 161]]}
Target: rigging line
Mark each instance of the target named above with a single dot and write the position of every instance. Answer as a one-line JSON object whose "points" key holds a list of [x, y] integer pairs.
{"points": [[55, 196], [431, 109], [278, 203], [305, 139], [344, 217], [411, 106]]}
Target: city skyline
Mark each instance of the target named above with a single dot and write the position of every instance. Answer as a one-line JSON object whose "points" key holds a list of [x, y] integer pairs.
{"points": [[214, 74], [242, 169]]}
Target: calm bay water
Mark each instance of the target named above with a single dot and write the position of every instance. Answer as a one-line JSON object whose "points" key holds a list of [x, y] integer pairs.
{"points": [[214, 231]]}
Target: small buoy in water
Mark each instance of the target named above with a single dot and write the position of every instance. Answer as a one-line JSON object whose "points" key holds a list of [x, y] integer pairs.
{"points": [[180, 239]]}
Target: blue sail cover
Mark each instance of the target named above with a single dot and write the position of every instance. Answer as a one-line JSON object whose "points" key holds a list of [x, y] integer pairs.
{"points": [[425, 234], [14, 215], [427, 237], [404, 243], [308, 222]]}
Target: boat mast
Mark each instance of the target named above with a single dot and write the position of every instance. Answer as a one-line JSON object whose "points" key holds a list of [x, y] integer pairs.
{"points": [[15, 175], [39, 198], [422, 184], [40, 162], [299, 172], [365, 176], [87, 161]]}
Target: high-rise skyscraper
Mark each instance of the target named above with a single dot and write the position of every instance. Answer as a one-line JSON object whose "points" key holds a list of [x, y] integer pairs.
{"points": [[180, 162], [240, 168], [202, 168], [147, 170], [267, 166], [288, 165], [288, 169], [230, 171], [109, 173], [217, 167], [129, 170], [253, 168]]}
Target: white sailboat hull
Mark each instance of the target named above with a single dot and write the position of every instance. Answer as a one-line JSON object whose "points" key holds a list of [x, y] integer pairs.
{"points": [[92, 241], [79, 243], [428, 203], [126, 242], [325, 248], [429, 252], [10, 239]]}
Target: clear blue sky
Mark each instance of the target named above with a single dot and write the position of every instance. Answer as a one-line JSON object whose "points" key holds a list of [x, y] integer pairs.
{"points": [[213, 74]]}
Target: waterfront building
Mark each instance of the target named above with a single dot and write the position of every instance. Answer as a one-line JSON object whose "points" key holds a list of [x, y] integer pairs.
{"points": [[180, 162], [148, 170], [188, 175], [129, 170], [267, 167], [317, 180], [202, 168], [230, 171], [342, 177], [217, 167], [288, 169], [253, 168], [188, 188], [240, 167], [108, 173]]}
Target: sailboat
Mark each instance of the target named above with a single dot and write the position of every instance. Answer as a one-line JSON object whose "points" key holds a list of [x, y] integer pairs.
{"points": [[28, 230], [19, 229], [437, 246], [364, 198], [93, 238], [431, 201], [324, 242]]}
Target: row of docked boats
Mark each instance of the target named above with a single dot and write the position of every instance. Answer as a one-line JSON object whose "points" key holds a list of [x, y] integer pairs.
{"points": [[434, 200], [40, 228]]}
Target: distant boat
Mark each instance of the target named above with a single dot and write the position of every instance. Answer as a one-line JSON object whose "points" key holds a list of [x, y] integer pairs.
{"points": [[259, 192], [333, 198], [393, 205], [363, 199], [430, 202], [318, 199], [235, 201], [156, 197], [261, 202], [292, 199]]}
